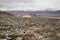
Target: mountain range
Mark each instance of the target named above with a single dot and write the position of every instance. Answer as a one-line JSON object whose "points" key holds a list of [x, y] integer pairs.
{"points": [[43, 13]]}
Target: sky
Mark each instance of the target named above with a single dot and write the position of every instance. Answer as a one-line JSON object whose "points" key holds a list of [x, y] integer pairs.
{"points": [[10, 5]]}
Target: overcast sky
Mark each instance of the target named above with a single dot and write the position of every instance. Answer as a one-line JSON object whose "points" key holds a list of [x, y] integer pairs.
{"points": [[29, 4]]}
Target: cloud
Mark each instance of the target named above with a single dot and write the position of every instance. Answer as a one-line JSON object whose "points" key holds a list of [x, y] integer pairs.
{"points": [[29, 4]]}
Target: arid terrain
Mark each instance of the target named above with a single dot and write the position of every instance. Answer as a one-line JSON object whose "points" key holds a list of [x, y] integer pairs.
{"points": [[28, 27]]}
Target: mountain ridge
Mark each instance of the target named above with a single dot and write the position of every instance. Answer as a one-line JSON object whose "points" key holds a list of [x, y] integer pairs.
{"points": [[46, 12]]}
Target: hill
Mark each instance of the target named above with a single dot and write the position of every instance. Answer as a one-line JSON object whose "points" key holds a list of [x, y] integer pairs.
{"points": [[8, 23], [28, 27]]}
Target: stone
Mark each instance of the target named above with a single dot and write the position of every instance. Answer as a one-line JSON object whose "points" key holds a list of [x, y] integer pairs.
{"points": [[3, 39], [18, 38], [58, 35]]}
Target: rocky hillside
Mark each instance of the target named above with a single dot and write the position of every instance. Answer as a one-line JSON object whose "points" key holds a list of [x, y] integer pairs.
{"points": [[7, 23], [23, 28]]}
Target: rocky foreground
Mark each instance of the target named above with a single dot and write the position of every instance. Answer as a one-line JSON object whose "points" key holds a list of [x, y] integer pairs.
{"points": [[34, 28]]}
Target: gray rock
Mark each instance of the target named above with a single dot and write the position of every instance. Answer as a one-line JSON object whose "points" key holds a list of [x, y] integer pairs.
{"points": [[3, 39]]}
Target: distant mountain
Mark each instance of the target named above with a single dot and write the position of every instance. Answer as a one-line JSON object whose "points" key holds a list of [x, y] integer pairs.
{"points": [[44, 13]]}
